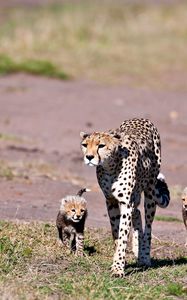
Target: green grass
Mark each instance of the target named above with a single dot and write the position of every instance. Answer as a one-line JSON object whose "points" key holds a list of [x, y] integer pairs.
{"points": [[31, 66], [34, 266], [104, 40], [167, 219]]}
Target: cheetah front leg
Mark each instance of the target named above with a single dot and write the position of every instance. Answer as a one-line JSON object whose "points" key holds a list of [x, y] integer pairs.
{"points": [[114, 215], [118, 265], [79, 244], [64, 236]]}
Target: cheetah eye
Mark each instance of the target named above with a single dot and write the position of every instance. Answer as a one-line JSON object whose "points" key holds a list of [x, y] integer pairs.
{"points": [[84, 145], [101, 146], [73, 210], [82, 210]]}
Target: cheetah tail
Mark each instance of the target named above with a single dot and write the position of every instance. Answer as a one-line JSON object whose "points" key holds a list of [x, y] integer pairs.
{"points": [[162, 192], [161, 177], [82, 191]]}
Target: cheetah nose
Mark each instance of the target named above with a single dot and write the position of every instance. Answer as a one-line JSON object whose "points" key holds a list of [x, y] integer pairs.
{"points": [[89, 157]]}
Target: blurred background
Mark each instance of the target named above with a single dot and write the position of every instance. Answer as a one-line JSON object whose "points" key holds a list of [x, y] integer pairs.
{"points": [[139, 42], [80, 65]]}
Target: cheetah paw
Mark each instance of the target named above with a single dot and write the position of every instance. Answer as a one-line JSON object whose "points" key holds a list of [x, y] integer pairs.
{"points": [[117, 271], [80, 254], [59, 243], [144, 263]]}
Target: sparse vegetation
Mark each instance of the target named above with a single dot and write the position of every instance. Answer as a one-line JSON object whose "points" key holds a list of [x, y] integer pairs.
{"points": [[167, 219], [31, 66], [34, 266], [10, 137], [103, 40], [22, 169], [176, 191], [6, 171]]}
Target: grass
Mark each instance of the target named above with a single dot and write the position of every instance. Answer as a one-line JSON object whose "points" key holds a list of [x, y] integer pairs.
{"points": [[6, 172], [10, 137], [31, 66], [167, 219], [102, 40], [176, 191], [34, 266], [26, 170], [21, 170]]}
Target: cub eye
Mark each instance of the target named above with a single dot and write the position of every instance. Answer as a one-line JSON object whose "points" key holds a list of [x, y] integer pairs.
{"points": [[82, 210], [73, 210], [84, 145], [101, 146]]}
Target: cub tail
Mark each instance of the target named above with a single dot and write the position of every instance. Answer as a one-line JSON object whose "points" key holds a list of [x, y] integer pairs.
{"points": [[83, 191]]}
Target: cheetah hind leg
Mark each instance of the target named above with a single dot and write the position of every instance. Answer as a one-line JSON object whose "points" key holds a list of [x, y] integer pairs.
{"points": [[158, 194], [150, 209], [137, 236]]}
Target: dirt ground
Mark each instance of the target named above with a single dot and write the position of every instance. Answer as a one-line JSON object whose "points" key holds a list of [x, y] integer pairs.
{"points": [[40, 121], [34, 3]]}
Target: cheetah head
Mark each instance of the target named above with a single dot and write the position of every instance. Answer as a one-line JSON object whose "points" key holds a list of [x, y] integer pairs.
{"points": [[73, 208], [184, 199], [98, 147]]}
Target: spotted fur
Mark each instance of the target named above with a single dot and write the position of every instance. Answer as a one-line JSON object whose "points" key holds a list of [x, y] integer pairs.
{"points": [[70, 221], [184, 206], [128, 162]]}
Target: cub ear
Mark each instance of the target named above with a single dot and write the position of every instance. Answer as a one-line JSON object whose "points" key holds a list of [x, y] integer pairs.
{"points": [[184, 194], [83, 135], [63, 201]]}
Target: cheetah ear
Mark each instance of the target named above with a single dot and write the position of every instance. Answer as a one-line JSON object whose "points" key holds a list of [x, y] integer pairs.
{"points": [[63, 201], [117, 136], [83, 135]]}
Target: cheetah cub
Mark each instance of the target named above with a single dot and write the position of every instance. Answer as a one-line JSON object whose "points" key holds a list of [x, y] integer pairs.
{"points": [[71, 220], [184, 206]]}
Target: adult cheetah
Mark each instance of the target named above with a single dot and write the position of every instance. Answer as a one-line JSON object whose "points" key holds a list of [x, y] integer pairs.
{"points": [[127, 163]]}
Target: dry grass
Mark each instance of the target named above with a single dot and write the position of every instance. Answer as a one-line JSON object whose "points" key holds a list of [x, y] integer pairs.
{"points": [[106, 40], [34, 266], [21, 170], [10, 137], [176, 191], [29, 170]]}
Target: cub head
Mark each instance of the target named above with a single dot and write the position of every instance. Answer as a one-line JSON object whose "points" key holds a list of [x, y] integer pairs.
{"points": [[74, 208], [98, 147], [184, 199]]}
